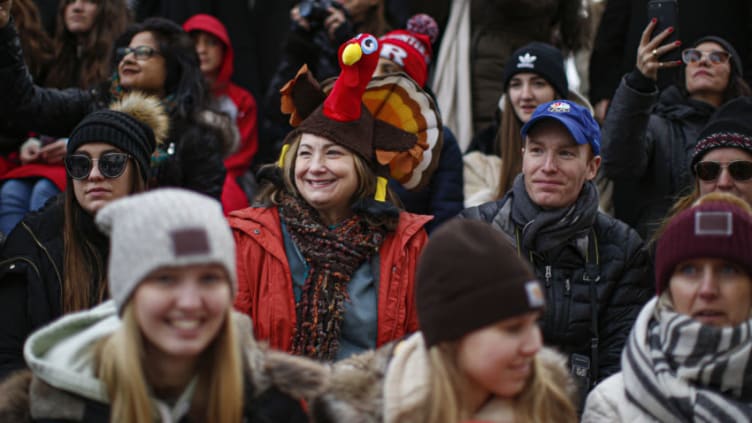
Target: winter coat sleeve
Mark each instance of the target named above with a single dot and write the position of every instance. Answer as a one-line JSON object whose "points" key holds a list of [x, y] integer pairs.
{"points": [[481, 177], [446, 184], [199, 164], [17, 273], [630, 292], [240, 161], [627, 139], [25, 106], [603, 402]]}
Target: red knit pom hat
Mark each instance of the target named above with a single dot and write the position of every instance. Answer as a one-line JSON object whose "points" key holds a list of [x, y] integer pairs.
{"points": [[715, 229], [411, 48]]}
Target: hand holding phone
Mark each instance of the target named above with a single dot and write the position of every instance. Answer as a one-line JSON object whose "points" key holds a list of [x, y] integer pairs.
{"points": [[653, 48]]}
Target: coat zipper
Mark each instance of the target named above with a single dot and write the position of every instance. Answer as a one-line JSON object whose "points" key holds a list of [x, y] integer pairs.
{"points": [[49, 257]]}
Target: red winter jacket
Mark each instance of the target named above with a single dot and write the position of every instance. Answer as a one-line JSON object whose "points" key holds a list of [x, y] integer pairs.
{"points": [[265, 289], [233, 198]]}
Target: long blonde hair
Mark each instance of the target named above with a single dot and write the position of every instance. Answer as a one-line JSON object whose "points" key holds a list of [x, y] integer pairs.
{"points": [[543, 399], [219, 393]]}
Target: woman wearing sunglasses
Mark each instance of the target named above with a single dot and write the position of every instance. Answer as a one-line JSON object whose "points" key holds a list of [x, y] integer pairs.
{"points": [[722, 160], [689, 354], [155, 57], [55, 261], [648, 137]]}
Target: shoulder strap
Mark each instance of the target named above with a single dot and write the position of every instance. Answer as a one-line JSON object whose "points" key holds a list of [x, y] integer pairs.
{"points": [[592, 276]]}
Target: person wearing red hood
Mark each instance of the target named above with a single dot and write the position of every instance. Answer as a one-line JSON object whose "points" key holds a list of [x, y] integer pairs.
{"points": [[216, 55]]}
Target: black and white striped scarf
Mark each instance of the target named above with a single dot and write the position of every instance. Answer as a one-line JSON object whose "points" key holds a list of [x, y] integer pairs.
{"points": [[677, 369]]}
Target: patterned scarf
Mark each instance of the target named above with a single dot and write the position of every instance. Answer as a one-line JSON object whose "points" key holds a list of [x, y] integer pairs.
{"points": [[543, 230], [677, 369], [333, 255]]}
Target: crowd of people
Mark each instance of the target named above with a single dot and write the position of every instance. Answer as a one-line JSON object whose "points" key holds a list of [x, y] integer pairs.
{"points": [[420, 220]]}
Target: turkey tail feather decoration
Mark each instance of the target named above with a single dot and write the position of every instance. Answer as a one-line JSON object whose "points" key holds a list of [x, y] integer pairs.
{"points": [[403, 130]]}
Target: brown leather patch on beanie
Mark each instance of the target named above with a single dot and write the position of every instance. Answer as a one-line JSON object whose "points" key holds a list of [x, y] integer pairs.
{"points": [[188, 242]]}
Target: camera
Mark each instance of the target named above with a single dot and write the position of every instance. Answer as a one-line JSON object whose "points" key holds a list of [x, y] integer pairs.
{"points": [[314, 11]]}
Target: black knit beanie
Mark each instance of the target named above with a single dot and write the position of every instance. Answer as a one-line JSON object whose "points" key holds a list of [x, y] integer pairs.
{"points": [[729, 127], [542, 59], [120, 130], [469, 276]]}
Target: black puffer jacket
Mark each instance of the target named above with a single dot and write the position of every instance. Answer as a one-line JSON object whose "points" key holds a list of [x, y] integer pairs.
{"points": [[31, 278], [622, 287], [647, 149], [194, 162]]}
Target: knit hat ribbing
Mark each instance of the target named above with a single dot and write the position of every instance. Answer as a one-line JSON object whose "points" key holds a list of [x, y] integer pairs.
{"points": [[469, 277], [729, 127], [118, 129], [542, 59], [163, 227], [715, 229]]}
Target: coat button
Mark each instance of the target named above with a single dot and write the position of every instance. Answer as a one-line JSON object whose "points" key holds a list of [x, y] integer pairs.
{"points": [[256, 231], [12, 266]]}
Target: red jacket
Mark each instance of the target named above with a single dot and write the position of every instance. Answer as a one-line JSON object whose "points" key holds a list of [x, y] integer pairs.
{"points": [[233, 198], [265, 290]]}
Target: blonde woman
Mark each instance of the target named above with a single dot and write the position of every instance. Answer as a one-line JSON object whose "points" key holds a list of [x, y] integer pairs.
{"points": [[479, 354], [177, 353]]}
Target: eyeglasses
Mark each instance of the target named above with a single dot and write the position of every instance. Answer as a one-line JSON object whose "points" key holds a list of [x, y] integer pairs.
{"points": [[111, 165], [716, 57], [140, 52], [740, 170]]}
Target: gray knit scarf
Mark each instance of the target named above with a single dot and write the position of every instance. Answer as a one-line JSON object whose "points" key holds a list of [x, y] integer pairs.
{"points": [[677, 369], [544, 229]]}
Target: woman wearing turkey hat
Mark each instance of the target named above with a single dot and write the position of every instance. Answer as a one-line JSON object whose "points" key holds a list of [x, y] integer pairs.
{"points": [[326, 261]]}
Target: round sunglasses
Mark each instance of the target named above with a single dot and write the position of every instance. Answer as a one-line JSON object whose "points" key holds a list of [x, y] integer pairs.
{"points": [[111, 165], [740, 170], [693, 55]]}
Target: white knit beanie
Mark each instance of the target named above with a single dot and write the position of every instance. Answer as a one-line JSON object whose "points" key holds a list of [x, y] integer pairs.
{"points": [[163, 227]]}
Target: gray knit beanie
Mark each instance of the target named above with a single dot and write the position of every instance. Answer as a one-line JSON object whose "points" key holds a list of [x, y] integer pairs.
{"points": [[163, 227]]}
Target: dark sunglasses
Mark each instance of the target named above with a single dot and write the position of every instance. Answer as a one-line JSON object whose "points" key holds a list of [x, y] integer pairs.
{"points": [[740, 170], [140, 52], [693, 55], [111, 165]]}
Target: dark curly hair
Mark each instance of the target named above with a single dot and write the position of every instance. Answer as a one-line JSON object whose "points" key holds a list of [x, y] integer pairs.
{"points": [[93, 65], [184, 83]]}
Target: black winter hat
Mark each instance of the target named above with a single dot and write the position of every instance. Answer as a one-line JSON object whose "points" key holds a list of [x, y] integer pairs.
{"points": [[542, 59], [469, 276], [119, 129], [729, 127]]}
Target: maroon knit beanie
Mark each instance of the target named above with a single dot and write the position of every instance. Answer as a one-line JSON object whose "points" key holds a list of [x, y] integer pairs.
{"points": [[715, 229], [469, 276]]}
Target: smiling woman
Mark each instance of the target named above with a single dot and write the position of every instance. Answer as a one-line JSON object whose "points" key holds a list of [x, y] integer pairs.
{"points": [[168, 347], [326, 233]]}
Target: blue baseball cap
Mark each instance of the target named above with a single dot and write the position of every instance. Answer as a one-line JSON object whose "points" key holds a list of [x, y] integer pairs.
{"points": [[577, 119]]}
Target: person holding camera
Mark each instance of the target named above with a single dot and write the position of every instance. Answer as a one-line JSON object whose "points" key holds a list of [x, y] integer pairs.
{"points": [[649, 136], [592, 266], [318, 28]]}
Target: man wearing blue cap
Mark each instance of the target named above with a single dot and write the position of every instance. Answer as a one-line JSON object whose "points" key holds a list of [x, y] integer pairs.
{"points": [[592, 265]]}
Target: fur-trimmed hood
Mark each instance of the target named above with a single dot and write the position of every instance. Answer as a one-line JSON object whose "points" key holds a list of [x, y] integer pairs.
{"points": [[63, 383], [374, 386]]}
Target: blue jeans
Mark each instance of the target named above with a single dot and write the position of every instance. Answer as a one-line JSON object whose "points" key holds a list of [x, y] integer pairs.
{"points": [[20, 196]]}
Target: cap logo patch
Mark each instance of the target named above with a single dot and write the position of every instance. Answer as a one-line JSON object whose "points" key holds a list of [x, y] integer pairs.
{"points": [[188, 242], [714, 223], [394, 53], [526, 61], [559, 107], [534, 294]]}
